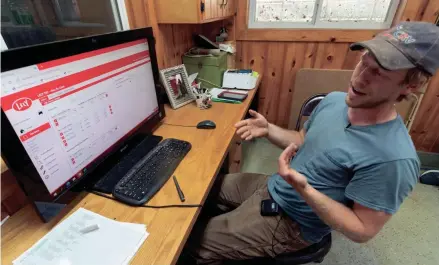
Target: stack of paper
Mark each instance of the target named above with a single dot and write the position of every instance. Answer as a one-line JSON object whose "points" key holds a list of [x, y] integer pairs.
{"points": [[113, 243]]}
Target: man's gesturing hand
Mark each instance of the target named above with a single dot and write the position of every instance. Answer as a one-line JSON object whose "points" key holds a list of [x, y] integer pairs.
{"points": [[255, 127], [294, 178]]}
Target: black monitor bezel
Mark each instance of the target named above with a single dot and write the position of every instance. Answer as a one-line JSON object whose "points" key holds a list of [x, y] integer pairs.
{"points": [[13, 152]]}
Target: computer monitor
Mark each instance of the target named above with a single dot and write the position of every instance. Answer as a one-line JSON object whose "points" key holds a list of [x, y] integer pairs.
{"points": [[67, 106]]}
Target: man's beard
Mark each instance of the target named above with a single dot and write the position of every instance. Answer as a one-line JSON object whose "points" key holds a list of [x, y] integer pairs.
{"points": [[368, 104]]}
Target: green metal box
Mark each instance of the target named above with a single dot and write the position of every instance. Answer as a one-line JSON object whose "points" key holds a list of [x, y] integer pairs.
{"points": [[209, 68]]}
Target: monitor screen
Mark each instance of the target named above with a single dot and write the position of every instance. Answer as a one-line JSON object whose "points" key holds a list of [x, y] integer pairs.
{"points": [[70, 111]]}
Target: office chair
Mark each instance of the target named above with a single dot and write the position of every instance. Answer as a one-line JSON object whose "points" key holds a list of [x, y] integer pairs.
{"points": [[308, 107]]}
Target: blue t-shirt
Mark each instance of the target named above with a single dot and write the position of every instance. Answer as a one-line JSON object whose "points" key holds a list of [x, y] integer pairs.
{"points": [[375, 166]]}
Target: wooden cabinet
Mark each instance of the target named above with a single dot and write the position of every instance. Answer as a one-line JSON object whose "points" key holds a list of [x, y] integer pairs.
{"points": [[193, 11]]}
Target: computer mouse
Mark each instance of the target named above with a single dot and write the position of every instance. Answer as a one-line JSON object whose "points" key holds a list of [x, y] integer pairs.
{"points": [[207, 124]]}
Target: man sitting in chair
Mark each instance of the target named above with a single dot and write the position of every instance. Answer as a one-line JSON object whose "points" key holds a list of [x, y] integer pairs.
{"points": [[353, 162]]}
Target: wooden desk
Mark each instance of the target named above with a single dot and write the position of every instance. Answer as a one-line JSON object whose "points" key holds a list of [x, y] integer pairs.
{"points": [[168, 228]]}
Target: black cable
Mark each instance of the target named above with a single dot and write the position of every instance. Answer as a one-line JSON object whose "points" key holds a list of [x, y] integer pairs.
{"points": [[151, 206], [179, 125], [274, 236]]}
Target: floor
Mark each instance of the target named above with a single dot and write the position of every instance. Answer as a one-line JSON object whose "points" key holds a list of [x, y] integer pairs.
{"points": [[411, 237]]}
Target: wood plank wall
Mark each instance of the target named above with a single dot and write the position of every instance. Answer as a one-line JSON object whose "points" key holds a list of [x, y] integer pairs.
{"points": [[279, 54], [172, 40]]}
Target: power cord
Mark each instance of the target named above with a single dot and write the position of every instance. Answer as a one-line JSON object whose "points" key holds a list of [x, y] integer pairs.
{"points": [[180, 125], [151, 206]]}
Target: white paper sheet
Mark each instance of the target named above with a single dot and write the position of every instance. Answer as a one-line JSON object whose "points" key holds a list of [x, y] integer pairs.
{"points": [[113, 243]]}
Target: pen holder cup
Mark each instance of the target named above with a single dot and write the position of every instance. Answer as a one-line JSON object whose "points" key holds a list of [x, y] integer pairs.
{"points": [[204, 101]]}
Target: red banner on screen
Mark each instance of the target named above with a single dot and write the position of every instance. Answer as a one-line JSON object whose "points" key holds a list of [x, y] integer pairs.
{"points": [[42, 91], [34, 132], [58, 62]]}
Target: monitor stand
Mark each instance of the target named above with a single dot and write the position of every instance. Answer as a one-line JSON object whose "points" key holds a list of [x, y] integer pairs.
{"points": [[123, 161], [48, 210]]}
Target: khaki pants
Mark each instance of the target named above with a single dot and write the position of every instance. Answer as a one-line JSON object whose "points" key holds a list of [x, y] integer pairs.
{"points": [[242, 233]]}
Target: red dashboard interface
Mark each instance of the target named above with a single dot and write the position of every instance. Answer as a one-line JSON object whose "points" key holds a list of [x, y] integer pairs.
{"points": [[67, 112]]}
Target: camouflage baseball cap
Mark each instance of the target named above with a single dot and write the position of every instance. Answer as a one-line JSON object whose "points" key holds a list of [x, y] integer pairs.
{"points": [[408, 45]]}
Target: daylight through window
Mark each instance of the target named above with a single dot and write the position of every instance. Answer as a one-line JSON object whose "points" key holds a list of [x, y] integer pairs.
{"points": [[367, 14]]}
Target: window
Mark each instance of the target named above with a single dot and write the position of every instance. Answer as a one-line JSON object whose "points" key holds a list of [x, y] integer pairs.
{"points": [[346, 14], [29, 22]]}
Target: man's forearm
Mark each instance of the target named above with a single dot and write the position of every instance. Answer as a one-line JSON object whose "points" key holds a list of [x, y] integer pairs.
{"points": [[336, 215], [283, 137]]}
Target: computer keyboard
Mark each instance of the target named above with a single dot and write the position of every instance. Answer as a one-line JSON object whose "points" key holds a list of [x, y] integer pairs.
{"points": [[151, 173], [107, 183]]}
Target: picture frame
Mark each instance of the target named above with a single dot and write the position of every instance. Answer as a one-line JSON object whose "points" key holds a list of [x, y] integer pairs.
{"points": [[176, 83]]}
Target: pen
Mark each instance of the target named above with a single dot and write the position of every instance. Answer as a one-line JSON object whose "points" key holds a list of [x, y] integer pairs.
{"points": [[180, 192]]}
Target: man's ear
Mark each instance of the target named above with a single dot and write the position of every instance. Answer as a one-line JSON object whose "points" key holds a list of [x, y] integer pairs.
{"points": [[411, 88], [407, 89]]}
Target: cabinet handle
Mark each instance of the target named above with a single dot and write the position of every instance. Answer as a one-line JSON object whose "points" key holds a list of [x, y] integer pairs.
{"points": [[202, 7]]}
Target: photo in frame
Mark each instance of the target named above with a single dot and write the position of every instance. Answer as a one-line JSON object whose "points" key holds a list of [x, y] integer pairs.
{"points": [[178, 89]]}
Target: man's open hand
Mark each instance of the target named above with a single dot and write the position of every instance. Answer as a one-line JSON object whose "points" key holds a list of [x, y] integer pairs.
{"points": [[294, 178], [255, 127]]}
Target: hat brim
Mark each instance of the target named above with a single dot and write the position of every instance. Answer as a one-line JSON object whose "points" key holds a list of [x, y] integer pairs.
{"points": [[387, 55]]}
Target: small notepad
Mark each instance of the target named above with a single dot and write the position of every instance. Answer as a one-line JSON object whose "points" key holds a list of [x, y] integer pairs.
{"points": [[113, 243]]}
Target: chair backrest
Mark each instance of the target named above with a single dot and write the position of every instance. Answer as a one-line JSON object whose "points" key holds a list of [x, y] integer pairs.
{"points": [[310, 82], [307, 108]]}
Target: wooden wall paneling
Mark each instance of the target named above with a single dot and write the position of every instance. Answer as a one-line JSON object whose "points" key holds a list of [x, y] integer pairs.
{"points": [[176, 39], [425, 129], [230, 25], [414, 10], [293, 61], [253, 55], [310, 55], [319, 35], [429, 133], [331, 55], [139, 13], [230, 7], [241, 16], [431, 136], [352, 59], [431, 13], [272, 80]]}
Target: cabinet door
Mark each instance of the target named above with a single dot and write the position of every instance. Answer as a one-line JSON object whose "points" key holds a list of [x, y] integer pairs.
{"points": [[229, 8], [217, 10], [212, 9], [207, 14]]}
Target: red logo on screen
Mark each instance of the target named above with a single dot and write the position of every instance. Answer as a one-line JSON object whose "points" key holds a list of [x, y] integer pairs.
{"points": [[22, 104]]}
